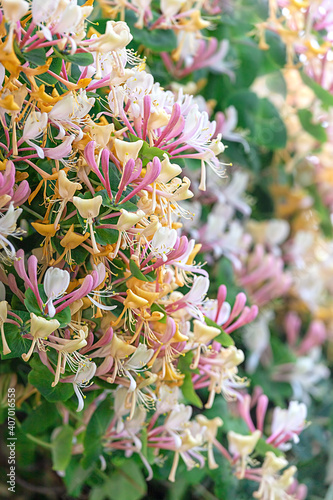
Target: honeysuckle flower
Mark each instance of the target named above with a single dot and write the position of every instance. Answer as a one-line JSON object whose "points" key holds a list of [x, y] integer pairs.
{"points": [[83, 376], [163, 242], [40, 328], [220, 373], [137, 362], [13, 11], [69, 112], [177, 422], [42, 12], [194, 298], [127, 150], [8, 228], [210, 429], [257, 340], [288, 424], [89, 209], [273, 485], [125, 222], [67, 353], [168, 398], [62, 151], [241, 447], [117, 35], [304, 375], [34, 127], [202, 335], [66, 189], [170, 9], [56, 282]]}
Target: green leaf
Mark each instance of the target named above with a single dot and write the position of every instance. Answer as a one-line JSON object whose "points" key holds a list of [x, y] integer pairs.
{"points": [[96, 428], [157, 40], [127, 482], [36, 56], [276, 83], [262, 448], [16, 343], [147, 153], [135, 271], [314, 129], [281, 352], [161, 309], [64, 317], [31, 303], [81, 59], [224, 339], [325, 97], [262, 119], [55, 67], [106, 236], [42, 379], [40, 419], [187, 387], [62, 447], [76, 477]]}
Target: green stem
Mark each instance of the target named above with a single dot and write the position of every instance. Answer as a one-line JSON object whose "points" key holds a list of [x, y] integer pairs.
{"points": [[39, 441], [32, 212]]}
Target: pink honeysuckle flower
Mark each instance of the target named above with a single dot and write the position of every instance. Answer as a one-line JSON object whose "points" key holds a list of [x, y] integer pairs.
{"points": [[287, 424], [209, 54]]}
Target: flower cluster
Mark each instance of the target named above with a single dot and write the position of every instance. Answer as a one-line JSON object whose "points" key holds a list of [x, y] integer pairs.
{"points": [[109, 240]]}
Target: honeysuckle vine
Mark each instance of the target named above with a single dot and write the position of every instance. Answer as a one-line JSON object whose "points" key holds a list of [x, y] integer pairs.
{"points": [[109, 237]]}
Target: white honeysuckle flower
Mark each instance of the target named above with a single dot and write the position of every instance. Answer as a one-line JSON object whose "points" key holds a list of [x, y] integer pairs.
{"points": [[117, 35], [257, 339], [35, 125], [198, 122], [136, 88], [277, 231], [167, 399], [273, 485], [170, 8], [43, 10], [84, 374], [210, 310], [68, 19], [139, 358], [40, 328], [242, 446], [127, 150], [163, 242], [188, 44], [309, 371], [104, 292], [56, 282], [14, 10], [2, 74], [68, 113], [137, 363], [177, 421], [289, 423], [128, 219], [196, 296], [233, 193], [120, 410], [8, 228]]}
